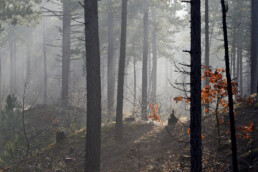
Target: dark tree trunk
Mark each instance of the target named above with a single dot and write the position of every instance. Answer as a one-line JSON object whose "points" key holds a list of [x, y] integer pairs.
{"points": [[44, 64], [195, 111], [154, 58], [93, 136], [207, 42], [66, 52], [144, 65], [110, 63], [229, 87], [121, 74], [254, 47]]}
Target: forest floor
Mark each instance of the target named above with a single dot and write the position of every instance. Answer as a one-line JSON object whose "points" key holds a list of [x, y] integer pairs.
{"points": [[148, 146]]}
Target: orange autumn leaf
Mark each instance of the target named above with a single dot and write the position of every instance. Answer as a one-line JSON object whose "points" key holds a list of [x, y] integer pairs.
{"points": [[207, 110], [202, 136], [188, 131]]}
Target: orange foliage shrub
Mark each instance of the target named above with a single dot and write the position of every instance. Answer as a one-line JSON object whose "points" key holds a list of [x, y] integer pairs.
{"points": [[155, 111]]}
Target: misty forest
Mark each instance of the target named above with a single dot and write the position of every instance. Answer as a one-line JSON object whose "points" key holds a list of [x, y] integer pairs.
{"points": [[128, 85]]}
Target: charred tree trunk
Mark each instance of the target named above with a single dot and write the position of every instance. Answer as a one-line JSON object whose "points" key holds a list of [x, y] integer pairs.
{"points": [[110, 63], [154, 58], [121, 74], [207, 42], [195, 111], [145, 65], [93, 136], [254, 47], [229, 87], [66, 52]]}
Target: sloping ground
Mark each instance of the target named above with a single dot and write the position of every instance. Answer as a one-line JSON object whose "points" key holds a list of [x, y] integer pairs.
{"points": [[148, 147]]}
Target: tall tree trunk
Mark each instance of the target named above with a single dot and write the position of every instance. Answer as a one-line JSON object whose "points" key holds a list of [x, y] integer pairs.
{"points": [[229, 87], [121, 74], [144, 64], [110, 62], [207, 42], [44, 64], [154, 58], [93, 135], [66, 51], [254, 47], [239, 46], [195, 111]]}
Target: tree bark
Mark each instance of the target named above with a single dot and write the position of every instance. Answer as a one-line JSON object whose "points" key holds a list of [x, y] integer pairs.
{"points": [[229, 87], [254, 47], [207, 42], [66, 52], [93, 135], [144, 64], [110, 63], [121, 74], [154, 58], [195, 111]]}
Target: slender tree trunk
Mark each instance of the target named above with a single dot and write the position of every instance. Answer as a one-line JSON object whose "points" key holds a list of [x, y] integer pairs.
{"points": [[207, 42], [154, 58], [254, 47], [121, 74], [195, 111], [44, 63], [110, 62], [144, 65], [229, 87], [66, 51], [93, 135]]}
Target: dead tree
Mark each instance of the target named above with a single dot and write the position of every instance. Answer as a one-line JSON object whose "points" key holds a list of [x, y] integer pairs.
{"points": [[229, 87]]}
